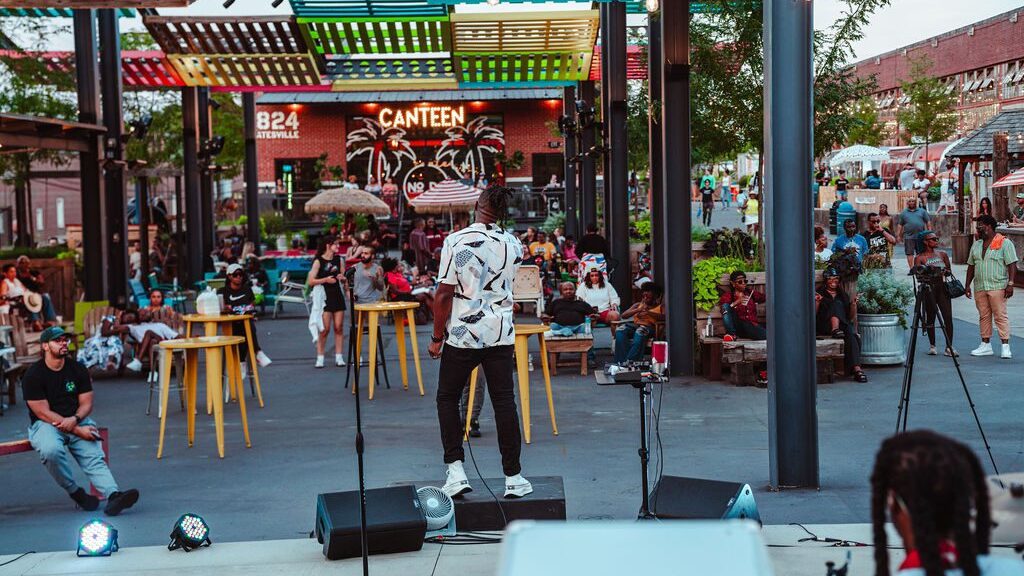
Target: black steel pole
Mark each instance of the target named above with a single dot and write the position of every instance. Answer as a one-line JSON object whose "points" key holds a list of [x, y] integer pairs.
{"points": [[207, 213], [571, 215], [788, 146], [193, 200], [657, 202], [675, 137], [616, 171], [87, 79], [142, 204], [588, 167], [114, 165], [252, 185], [21, 211], [181, 273]]}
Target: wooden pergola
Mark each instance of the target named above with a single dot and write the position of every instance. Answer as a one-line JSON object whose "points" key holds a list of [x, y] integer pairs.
{"points": [[21, 133]]}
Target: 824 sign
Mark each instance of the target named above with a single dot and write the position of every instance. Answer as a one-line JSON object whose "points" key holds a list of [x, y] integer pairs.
{"points": [[277, 125]]}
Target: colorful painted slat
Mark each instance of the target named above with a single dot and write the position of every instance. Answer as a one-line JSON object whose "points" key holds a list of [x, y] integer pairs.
{"points": [[52, 13], [226, 35], [246, 70], [556, 31], [366, 8], [140, 69], [521, 68], [329, 36], [636, 63]]}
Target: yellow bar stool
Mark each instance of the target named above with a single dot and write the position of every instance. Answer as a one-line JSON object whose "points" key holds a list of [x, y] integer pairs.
{"points": [[224, 322], [218, 349], [371, 313], [523, 333]]}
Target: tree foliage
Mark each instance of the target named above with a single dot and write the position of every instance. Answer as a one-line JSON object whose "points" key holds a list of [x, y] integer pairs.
{"points": [[929, 115], [867, 129]]}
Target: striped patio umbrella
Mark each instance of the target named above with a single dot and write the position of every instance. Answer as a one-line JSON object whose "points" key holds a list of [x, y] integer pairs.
{"points": [[1011, 179], [446, 196]]}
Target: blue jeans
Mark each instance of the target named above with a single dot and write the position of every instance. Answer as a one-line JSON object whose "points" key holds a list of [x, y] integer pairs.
{"points": [[741, 328], [630, 340], [56, 449], [566, 331], [726, 197]]}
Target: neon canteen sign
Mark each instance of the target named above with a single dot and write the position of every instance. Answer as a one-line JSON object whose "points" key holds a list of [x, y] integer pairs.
{"points": [[423, 116]]}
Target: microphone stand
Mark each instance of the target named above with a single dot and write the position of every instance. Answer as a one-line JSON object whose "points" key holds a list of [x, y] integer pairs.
{"points": [[359, 434]]}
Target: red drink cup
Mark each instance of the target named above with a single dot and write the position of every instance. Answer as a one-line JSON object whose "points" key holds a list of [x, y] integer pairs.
{"points": [[659, 352]]}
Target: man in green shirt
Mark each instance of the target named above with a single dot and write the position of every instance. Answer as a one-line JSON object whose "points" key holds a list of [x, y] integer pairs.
{"points": [[990, 269], [1018, 211]]}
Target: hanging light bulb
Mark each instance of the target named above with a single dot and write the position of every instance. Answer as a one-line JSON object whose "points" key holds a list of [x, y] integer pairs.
{"points": [[652, 5], [493, 2]]}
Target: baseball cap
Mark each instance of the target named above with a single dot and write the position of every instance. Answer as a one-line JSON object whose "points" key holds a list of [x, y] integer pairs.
{"points": [[52, 333], [234, 268], [1020, 195]]}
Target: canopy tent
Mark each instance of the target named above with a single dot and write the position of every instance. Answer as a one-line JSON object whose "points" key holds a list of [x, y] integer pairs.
{"points": [[1011, 179], [446, 196], [858, 153]]}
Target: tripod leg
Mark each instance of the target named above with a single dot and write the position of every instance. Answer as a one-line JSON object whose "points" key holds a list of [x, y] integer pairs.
{"points": [[903, 411], [970, 401]]}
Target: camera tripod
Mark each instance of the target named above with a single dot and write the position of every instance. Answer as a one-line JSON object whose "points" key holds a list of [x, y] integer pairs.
{"points": [[923, 289]]}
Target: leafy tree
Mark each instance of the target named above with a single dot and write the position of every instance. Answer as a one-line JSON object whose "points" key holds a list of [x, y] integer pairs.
{"points": [[929, 116], [867, 129]]}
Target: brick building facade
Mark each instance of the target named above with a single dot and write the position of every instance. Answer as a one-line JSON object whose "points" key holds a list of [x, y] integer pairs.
{"points": [[293, 130], [983, 64]]}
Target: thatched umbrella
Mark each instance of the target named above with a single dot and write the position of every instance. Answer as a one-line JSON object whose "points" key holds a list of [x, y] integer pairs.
{"points": [[347, 201]]}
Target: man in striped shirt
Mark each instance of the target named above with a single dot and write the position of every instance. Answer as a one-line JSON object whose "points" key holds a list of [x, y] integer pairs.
{"points": [[990, 270]]}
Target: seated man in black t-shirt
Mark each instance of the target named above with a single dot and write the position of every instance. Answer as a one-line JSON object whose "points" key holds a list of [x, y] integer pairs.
{"points": [[239, 299], [567, 315], [59, 395], [832, 318]]}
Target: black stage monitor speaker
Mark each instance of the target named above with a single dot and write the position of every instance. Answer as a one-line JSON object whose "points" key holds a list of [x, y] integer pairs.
{"points": [[694, 498], [394, 522]]}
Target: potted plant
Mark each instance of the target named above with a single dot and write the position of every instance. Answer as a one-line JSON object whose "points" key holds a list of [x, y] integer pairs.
{"points": [[274, 226], [882, 304]]}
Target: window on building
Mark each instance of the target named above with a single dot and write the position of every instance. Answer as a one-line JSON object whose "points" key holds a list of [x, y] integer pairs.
{"points": [[545, 165], [39, 219], [59, 206]]}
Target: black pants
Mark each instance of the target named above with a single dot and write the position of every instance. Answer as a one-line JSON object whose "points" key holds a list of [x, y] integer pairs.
{"points": [[709, 207], [238, 329], [936, 302], [851, 340], [456, 366]]}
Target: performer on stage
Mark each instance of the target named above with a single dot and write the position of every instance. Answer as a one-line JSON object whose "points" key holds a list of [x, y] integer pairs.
{"points": [[473, 321]]}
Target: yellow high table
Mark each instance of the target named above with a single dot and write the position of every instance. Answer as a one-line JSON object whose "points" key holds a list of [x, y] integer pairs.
{"points": [[371, 313], [523, 333], [218, 349], [211, 323]]}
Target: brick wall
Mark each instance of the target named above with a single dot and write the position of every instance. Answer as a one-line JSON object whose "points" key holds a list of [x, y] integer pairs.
{"points": [[322, 129]]}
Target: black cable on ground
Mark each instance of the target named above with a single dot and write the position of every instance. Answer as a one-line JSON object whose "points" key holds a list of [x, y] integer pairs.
{"points": [[16, 558], [504, 519]]}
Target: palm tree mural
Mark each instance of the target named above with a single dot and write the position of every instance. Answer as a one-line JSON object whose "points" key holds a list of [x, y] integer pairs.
{"points": [[386, 148], [465, 146]]}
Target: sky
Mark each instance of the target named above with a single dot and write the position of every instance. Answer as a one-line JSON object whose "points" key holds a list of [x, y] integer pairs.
{"points": [[903, 22]]}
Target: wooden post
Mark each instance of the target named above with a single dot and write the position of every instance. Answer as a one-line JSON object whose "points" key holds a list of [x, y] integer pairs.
{"points": [[1000, 168]]}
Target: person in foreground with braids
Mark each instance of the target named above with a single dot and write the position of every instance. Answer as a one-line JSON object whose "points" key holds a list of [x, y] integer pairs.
{"points": [[473, 321], [934, 490]]}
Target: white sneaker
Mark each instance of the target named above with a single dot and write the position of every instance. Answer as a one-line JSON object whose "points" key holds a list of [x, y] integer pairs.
{"points": [[262, 359], [339, 360], [1006, 355], [457, 483], [517, 486], [244, 369], [319, 362], [984, 350], [931, 351], [135, 365]]}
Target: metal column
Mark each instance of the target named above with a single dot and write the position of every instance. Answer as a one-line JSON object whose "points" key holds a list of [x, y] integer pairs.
{"points": [[206, 213], [21, 209], [588, 167], [572, 227], [675, 217], [181, 258], [193, 203], [252, 187], [142, 206], [657, 202], [616, 173], [606, 74], [114, 164], [787, 217], [87, 79]]}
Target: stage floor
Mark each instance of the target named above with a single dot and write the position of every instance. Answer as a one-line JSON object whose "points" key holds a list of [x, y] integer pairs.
{"points": [[303, 556]]}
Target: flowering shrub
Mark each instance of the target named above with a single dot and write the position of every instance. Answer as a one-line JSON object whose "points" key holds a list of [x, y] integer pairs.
{"points": [[879, 293]]}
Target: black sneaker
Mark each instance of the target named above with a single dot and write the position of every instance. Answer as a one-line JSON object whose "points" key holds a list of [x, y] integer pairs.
{"points": [[121, 501], [474, 428], [85, 501]]}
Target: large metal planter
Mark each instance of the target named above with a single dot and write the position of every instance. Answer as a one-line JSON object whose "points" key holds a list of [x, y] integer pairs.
{"points": [[881, 339]]}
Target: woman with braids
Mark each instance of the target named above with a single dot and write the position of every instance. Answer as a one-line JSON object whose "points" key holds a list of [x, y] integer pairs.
{"points": [[473, 321], [934, 491]]}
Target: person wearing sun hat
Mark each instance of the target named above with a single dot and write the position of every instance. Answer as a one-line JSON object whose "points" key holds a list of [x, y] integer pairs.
{"points": [[936, 299], [58, 392], [832, 309]]}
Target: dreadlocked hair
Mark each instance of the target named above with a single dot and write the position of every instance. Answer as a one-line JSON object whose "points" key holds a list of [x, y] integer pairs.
{"points": [[497, 198], [939, 482]]}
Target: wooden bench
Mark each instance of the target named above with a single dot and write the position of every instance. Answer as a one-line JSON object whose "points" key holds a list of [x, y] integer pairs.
{"points": [[23, 445], [745, 357], [569, 345]]}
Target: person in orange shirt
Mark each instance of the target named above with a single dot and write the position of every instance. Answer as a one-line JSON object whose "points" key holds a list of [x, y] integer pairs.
{"points": [[631, 337], [541, 248]]}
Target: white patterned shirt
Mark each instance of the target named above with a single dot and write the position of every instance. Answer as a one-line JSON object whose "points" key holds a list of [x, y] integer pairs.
{"points": [[481, 261]]}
